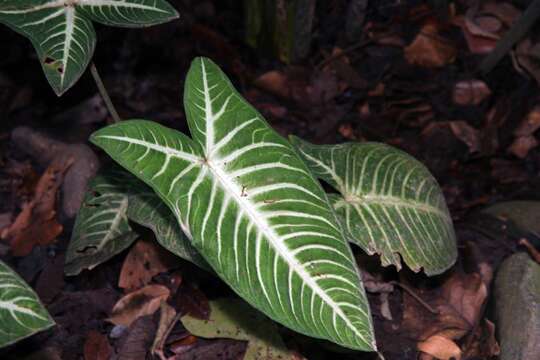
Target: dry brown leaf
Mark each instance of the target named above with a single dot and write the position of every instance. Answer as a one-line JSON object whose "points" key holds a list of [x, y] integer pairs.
{"points": [[36, 224], [275, 82], [145, 260], [167, 320], [466, 133], [530, 124], [97, 347], [522, 145], [429, 49], [142, 302], [470, 92], [440, 347]]}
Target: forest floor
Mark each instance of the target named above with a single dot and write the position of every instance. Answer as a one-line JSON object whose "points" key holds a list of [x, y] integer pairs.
{"points": [[410, 79]]}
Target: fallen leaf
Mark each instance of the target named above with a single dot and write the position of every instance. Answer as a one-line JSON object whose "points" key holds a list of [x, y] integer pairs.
{"points": [[51, 280], [215, 349], [466, 133], [530, 124], [139, 303], [96, 346], [145, 260], [275, 82], [189, 299], [526, 58], [235, 319], [429, 49], [522, 145], [470, 92], [136, 342], [167, 320], [36, 224], [440, 348]]}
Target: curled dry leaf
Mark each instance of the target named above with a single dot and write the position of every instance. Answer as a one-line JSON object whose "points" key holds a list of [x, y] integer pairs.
{"points": [[522, 145], [145, 260], [139, 303], [429, 49], [36, 224], [525, 140], [470, 92], [439, 347]]}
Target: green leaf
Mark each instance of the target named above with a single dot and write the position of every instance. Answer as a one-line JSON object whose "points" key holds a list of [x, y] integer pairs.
{"points": [[234, 319], [390, 204], [21, 312], [251, 207], [101, 229], [146, 209], [62, 32]]}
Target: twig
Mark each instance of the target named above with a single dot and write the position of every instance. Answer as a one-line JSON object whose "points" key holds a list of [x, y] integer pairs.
{"points": [[104, 94], [415, 296], [519, 29]]}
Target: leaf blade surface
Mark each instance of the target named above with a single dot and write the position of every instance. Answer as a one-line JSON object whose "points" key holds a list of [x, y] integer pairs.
{"points": [[21, 312], [389, 203]]}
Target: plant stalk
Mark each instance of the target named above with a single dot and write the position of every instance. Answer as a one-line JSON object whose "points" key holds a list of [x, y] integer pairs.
{"points": [[104, 94]]}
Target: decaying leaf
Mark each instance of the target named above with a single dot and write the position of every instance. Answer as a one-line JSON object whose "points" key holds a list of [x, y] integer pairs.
{"points": [[234, 319], [429, 49], [97, 347], [145, 260], [167, 320], [37, 224], [439, 347], [139, 303], [470, 92]]}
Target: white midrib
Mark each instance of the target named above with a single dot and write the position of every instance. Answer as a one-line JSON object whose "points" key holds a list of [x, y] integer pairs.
{"points": [[12, 307], [72, 3], [70, 16], [250, 210]]}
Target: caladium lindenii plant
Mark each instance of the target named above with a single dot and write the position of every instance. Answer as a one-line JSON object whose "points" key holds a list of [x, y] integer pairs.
{"points": [[62, 32], [249, 202]]}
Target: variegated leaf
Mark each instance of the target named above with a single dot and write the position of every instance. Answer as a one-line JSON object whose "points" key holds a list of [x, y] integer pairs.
{"points": [[101, 229], [252, 208], [146, 209], [62, 32], [21, 312], [390, 204]]}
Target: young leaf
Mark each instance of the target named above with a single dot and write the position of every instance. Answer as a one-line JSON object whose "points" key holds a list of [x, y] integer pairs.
{"points": [[390, 204], [21, 312], [101, 229], [62, 32], [251, 207]]}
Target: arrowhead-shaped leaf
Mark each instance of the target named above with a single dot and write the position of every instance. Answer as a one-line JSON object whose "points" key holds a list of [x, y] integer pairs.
{"points": [[21, 312], [390, 204], [251, 207], [62, 32]]}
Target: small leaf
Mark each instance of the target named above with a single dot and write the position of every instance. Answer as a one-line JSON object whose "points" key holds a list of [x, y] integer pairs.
{"points": [[390, 204], [234, 319], [101, 229], [251, 207], [21, 312], [62, 32], [97, 236]]}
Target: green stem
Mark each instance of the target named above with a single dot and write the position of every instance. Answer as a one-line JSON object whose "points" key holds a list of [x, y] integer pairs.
{"points": [[104, 94]]}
